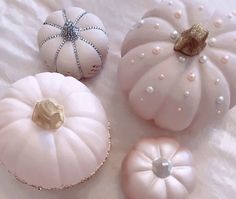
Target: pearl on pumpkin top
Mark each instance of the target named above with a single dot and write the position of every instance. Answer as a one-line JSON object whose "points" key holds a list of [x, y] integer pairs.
{"points": [[161, 77], [201, 7], [203, 59], [142, 55], [170, 3], [212, 42], [182, 59], [174, 35], [225, 59], [191, 77], [186, 94], [180, 109], [218, 23], [157, 26], [217, 82], [156, 50], [161, 167], [132, 61]]}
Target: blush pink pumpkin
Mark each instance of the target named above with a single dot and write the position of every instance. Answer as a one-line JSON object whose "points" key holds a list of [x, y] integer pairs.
{"points": [[53, 131], [73, 42], [158, 169], [175, 90]]}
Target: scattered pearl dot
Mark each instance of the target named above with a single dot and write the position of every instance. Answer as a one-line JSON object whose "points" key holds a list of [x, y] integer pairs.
{"points": [[140, 23], [150, 89], [230, 15], [191, 77], [178, 14], [220, 100], [174, 35], [218, 23], [170, 3], [161, 77], [234, 12], [141, 99], [186, 94], [201, 7], [212, 42], [217, 82], [180, 109], [157, 26], [132, 61], [203, 59], [182, 59], [142, 55], [225, 59], [219, 112], [156, 50]]}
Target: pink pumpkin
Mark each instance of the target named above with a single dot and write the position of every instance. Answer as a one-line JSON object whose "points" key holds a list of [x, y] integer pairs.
{"points": [[158, 169], [73, 42], [178, 65], [53, 131]]}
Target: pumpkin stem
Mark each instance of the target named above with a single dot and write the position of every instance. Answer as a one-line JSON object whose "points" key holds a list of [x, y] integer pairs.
{"points": [[48, 114], [192, 41]]}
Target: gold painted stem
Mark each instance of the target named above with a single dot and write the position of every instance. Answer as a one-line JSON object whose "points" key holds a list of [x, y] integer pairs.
{"points": [[192, 41], [48, 114]]}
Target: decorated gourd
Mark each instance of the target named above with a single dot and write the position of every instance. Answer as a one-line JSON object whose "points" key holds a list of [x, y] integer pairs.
{"points": [[53, 131], [178, 65], [158, 169], [73, 42]]}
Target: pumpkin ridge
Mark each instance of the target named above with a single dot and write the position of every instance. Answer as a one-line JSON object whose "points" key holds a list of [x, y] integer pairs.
{"points": [[87, 129], [7, 125], [16, 100], [58, 162], [176, 180], [144, 155], [84, 143]]}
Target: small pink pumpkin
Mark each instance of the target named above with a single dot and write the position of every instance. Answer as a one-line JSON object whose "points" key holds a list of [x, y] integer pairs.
{"points": [[73, 42], [158, 169], [178, 65], [53, 131]]}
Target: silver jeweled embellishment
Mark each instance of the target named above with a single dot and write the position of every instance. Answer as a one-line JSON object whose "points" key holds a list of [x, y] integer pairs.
{"points": [[161, 167]]}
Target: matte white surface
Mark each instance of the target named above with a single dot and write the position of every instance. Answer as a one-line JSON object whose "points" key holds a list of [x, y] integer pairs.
{"points": [[214, 149]]}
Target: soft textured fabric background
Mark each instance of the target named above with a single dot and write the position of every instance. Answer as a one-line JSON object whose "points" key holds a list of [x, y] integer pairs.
{"points": [[214, 149]]}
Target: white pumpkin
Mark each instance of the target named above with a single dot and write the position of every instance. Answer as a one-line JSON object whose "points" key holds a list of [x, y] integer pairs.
{"points": [[53, 131], [179, 78], [73, 42]]}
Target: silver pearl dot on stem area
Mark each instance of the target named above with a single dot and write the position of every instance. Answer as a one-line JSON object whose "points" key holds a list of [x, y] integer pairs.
{"points": [[174, 35], [150, 89], [182, 59], [220, 100], [212, 42], [203, 59], [217, 82]]}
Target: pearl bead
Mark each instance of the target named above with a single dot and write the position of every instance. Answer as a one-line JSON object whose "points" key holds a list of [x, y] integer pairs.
{"points": [[220, 100], [180, 109], [156, 50], [142, 55], [182, 59], [132, 61], [161, 167], [191, 77], [230, 15], [161, 77], [157, 26], [178, 14], [225, 59], [201, 7], [140, 23], [150, 89], [174, 35], [170, 3], [141, 99], [186, 94], [218, 23], [234, 12], [219, 112], [203, 59], [212, 42], [217, 82]]}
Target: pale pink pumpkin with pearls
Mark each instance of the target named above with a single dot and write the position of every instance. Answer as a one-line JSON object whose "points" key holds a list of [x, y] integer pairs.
{"points": [[73, 42], [175, 90], [53, 131], [158, 169]]}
